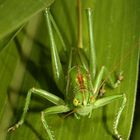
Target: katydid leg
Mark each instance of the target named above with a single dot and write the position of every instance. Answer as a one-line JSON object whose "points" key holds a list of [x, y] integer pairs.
{"points": [[107, 100], [69, 67], [51, 111], [92, 55], [117, 119], [58, 32], [56, 64], [103, 73], [110, 81], [83, 59], [48, 96]]}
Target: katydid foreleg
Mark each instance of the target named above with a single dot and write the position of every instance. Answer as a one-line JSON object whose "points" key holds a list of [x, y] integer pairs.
{"points": [[50, 111]]}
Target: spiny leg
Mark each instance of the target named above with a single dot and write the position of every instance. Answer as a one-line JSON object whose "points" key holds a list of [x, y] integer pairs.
{"points": [[107, 100], [117, 119], [51, 111], [103, 73], [51, 97], [56, 64]]}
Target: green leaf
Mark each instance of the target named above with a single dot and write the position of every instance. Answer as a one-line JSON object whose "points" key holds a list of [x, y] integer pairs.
{"points": [[14, 13], [26, 63]]}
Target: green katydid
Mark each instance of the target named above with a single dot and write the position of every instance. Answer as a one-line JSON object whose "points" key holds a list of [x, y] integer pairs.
{"points": [[82, 85]]}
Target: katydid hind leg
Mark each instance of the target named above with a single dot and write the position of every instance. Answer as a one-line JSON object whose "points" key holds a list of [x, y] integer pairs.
{"points": [[48, 96], [69, 67], [56, 64], [92, 55], [58, 32], [83, 59]]}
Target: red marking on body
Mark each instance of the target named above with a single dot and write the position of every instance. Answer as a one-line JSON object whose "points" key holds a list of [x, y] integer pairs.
{"points": [[80, 81]]}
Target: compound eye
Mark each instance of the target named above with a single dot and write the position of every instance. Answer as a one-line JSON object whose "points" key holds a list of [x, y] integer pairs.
{"points": [[76, 102]]}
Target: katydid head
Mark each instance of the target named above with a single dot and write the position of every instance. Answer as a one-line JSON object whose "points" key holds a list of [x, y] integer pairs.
{"points": [[83, 98], [83, 102]]}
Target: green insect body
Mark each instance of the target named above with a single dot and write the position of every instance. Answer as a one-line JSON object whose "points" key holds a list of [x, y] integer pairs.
{"points": [[80, 90], [83, 85]]}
